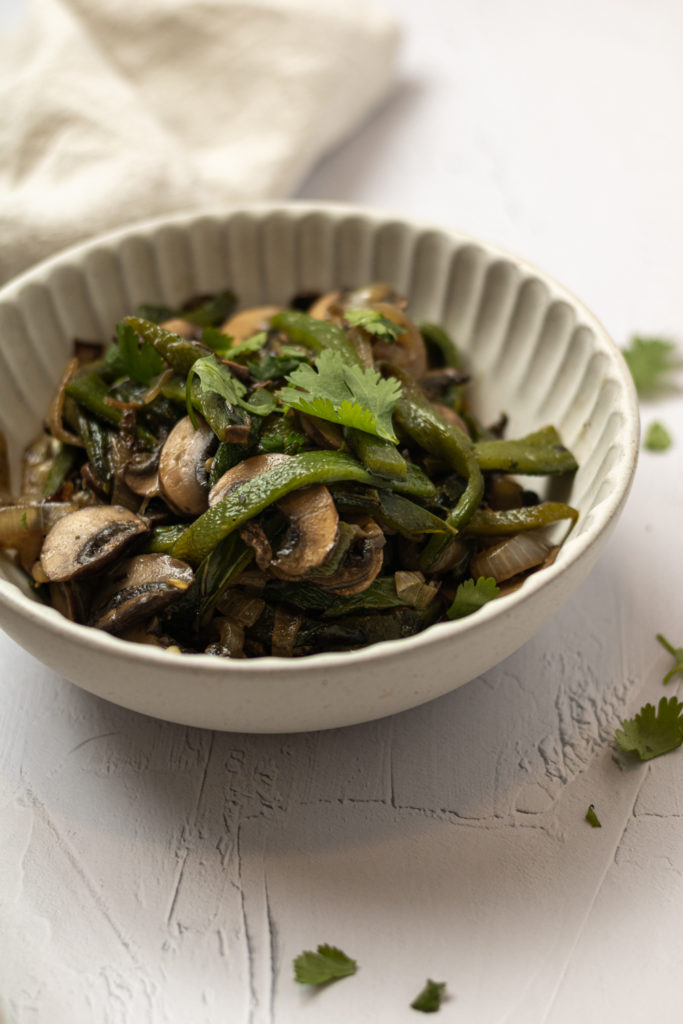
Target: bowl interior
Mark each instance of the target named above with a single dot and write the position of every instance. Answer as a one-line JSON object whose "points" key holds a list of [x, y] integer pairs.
{"points": [[535, 353]]}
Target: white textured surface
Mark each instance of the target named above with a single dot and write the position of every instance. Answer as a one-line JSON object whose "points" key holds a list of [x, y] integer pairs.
{"points": [[152, 873]]}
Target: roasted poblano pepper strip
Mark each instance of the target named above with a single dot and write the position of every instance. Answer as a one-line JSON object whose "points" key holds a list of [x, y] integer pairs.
{"points": [[440, 339], [487, 522], [181, 355], [90, 391], [541, 452], [218, 413], [63, 464], [418, 418], [163, 538], [378, 455], [256, 494]]}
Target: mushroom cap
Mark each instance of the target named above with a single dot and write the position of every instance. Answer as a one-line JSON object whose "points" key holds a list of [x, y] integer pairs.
{"points": [[312, 533], [84, 541], [140, 587], [242, 472], [249, 321], [183, 480], [361, 566]]}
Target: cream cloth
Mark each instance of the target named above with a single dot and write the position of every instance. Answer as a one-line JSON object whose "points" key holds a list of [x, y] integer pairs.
{"points": [[112, 111]]}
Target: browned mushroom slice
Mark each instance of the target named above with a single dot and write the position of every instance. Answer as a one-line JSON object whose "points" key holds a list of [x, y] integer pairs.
{"points": [[139, 588], [327, 306], [377, 291], [312, 532], [183, 328], [360, 567], [85, 540], [242, 472], [141, 473], [249, 321], [323, 433], [183, 480]]}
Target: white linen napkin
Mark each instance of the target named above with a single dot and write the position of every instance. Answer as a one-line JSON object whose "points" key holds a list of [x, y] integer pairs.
{"points": [[112, 112]]}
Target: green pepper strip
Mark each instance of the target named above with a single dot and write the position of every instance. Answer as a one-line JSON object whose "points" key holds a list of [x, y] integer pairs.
{"points": [[406, 517], [441, 340], [418, 418], [255, 495], [181, 355], [486, 522], [377, 454], [90, 391], [541, 452]]}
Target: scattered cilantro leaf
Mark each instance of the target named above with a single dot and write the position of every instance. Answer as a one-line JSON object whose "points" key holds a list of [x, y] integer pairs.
{"points": [[677, 653], [127, 357], [326, 964], [216, 340], [249, 345], [657, 438], [344, 394], [592, 818], [649, 360], [471, 595], [211, 311], [374, 322], [653, 733], [273, 367], [215, 376], [222, 344], [429, 999]]}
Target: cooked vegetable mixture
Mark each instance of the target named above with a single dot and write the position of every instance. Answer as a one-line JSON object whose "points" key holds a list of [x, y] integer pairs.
{"points": [[276, 481]]}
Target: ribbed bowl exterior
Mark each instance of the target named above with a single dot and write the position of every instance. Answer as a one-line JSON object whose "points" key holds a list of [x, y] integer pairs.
{"points": [[534, 351]]}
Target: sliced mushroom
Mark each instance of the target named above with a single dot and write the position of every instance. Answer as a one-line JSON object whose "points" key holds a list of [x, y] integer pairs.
{"points": [[244, 471], [327, 306], [183, 328], [84, 541], [141, 473], [139, 588], [249, 321], [183, 480], [361, 566], [312, 532], [322, 432]]}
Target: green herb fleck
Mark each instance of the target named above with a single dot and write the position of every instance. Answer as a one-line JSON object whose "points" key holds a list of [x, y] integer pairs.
{"points": [[429, 999], [649, 360], [471, 595], [128, 357], [374, 322], [592, 818], [344, 394], [222, 344], [326, 964], [657, 438], [215, 376], [677, 653], [653, 733], [24, 521]]}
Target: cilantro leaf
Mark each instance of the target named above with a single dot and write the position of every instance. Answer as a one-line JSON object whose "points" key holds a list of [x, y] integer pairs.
{"points": [[273, 367], [653, 733], [592, 818], [374, 322], [429, 999], [222, 344], [128, 357], [677, 653], [344, 394], [649, 360], [215, 376], [657, 438], [471, 595], [326, 964]]}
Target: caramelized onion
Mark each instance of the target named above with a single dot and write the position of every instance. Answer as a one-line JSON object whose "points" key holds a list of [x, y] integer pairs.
{"points": [[512, 556]]}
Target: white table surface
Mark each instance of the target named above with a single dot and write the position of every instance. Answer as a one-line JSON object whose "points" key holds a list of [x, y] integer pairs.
{"points": [[154, 874]]}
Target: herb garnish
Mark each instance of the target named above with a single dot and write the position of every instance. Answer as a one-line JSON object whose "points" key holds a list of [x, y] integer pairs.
{"points": [[677, 653], [429, 999], [592, 818], [657, 438], [215, 376], [374, 322], [345, 394], [653, 733], [128, 357], [649, 360], [326, 964], [470, 596]]}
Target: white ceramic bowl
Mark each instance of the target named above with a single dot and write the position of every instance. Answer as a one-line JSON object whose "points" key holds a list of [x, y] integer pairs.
{"points": [[537, 353]]}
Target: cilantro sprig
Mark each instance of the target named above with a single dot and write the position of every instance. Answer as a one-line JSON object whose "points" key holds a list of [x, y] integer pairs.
{"points": [[344, 394], [677, 653], [649, 360], [374, 322], [215, 376], [657, 438], [326, 964], [130, 357], [429, 999], [471, 595], [651, 732], [592, 818]]}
